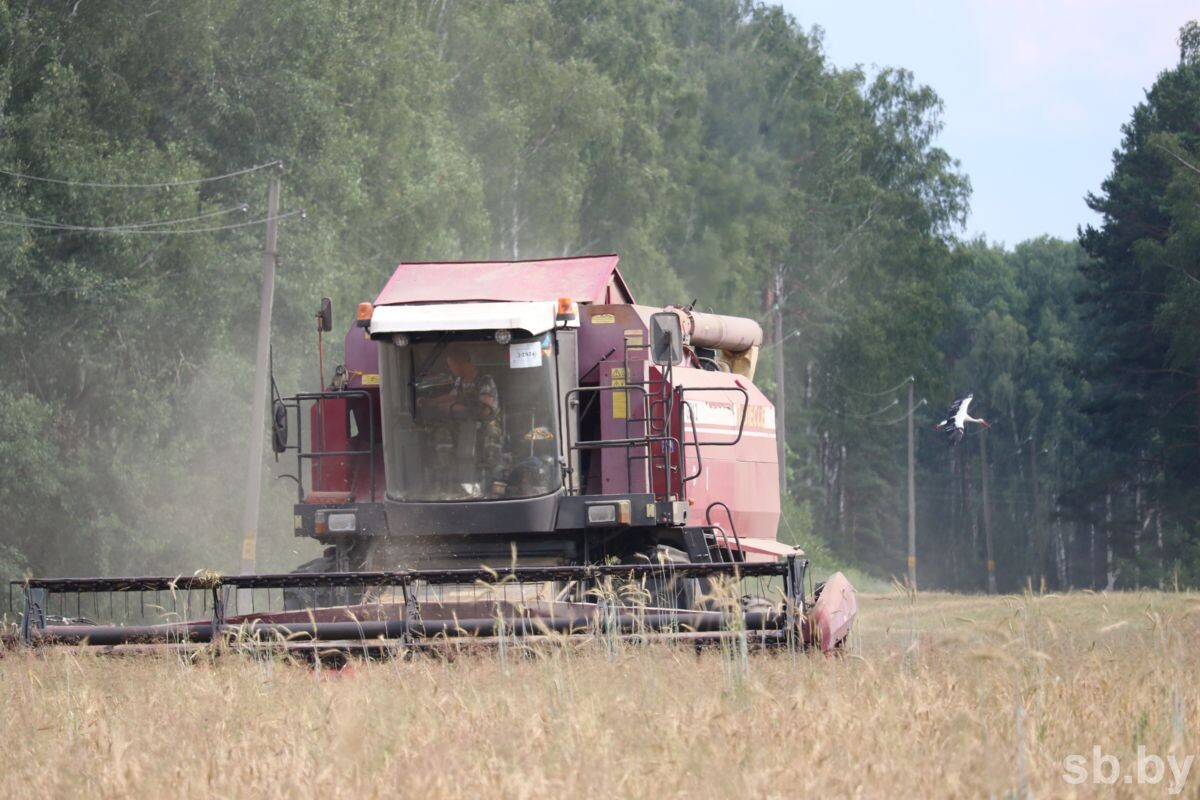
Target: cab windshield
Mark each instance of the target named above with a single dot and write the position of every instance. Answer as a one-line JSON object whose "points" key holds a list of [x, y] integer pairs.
{"points": [[469, 419]]}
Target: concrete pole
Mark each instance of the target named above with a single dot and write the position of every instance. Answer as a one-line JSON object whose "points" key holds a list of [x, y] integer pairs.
{"points": [[258, 408]]}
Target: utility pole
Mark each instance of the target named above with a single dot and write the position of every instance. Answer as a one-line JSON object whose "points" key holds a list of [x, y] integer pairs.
{"points": [[780, 381], [912, 494], [987, 514], [1038, 558], [259, 404]]}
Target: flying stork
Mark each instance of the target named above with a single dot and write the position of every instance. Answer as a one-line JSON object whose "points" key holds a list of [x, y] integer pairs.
{"points": [[956, 420]]}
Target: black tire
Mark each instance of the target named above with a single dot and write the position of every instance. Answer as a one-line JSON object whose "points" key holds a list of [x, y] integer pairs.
{"points": [[670, 591], [301, 597]]}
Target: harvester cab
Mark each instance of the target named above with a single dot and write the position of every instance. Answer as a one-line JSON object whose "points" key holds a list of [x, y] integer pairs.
{"points": [[528, 425]]}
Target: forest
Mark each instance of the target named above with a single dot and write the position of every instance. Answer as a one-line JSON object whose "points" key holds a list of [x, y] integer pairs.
{"points": [[710, 143]]}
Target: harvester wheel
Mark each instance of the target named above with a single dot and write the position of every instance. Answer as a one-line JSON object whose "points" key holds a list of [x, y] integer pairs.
{"points": [[669, 591], [299, 598]]}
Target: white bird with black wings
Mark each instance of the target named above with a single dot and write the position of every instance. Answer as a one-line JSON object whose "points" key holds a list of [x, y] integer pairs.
{"points": [[956, 420]]}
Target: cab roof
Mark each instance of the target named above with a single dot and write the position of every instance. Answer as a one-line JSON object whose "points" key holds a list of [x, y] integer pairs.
{"points": [[584, 279]]}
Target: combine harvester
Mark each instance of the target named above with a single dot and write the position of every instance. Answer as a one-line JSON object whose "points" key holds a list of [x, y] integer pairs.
{"points": [[511, 451]]}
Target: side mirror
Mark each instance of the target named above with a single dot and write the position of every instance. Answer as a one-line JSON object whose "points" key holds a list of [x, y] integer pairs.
{"points": [[666, 339], [279, 426], [325, 316]]}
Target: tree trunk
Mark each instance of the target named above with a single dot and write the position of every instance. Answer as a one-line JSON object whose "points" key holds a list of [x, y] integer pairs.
{"points": [[1091, 555], [1138, 527], [842, 489], [972, 519], [1036, 529], [808, 430], [1162, 562], [1061, 554], [1110, 574]]}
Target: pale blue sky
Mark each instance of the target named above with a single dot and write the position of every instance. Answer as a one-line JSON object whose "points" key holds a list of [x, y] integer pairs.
{"points": [[1035, 91]]}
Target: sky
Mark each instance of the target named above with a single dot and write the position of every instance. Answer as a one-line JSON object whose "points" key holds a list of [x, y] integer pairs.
{"points": [[1035, 91]]}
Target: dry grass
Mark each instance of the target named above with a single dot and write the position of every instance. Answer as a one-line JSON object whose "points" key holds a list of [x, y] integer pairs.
{"points": [[945, 696]]}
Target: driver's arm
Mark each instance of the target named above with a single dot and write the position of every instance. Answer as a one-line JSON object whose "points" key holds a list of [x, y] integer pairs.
{"points": [[489, 398], [487, 403]]}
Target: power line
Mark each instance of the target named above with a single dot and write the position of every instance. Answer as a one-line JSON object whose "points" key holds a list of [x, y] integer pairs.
{"points": [[874, 413], [166, 185], [125, 231], [66, 226], [769, 345], [121, 283], [903, 417], [895, 388]]}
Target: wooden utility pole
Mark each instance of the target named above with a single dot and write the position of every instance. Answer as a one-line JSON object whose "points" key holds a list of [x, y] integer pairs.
{"points": [[987, 514], [259, 403], [912, 495], [780, 381]]}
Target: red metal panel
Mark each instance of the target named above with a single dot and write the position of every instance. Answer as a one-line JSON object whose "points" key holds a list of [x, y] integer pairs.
{"points": [[346, 477], [622, 469], [603, 332], [828, 624], [362, 360], [327, 421], [586, 279], [745, 475]]}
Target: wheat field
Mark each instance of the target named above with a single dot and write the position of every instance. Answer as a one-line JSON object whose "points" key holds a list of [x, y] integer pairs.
{"points": [[937, 696]]}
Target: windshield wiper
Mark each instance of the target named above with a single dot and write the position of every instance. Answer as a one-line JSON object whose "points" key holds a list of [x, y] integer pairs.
{"points": [[433, 356]]}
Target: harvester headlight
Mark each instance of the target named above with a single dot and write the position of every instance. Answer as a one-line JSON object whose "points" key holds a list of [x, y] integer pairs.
{"points": [[342, 523], [615, 513], [503, 336], [400, 339], [598, 515]]}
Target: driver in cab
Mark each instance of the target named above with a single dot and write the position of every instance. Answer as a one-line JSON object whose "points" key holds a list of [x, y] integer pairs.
{"points": [[474, 435]]}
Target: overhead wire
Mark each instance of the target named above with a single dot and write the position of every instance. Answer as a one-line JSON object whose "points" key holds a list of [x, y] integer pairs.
{"points": [[895, 388], [902, 417], [50, 224], [161, 185], [895, 402], [102, 285], [167, 232]]}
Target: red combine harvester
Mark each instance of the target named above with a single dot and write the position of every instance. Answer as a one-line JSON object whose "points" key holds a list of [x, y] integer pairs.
{"points": [[511, 449]]}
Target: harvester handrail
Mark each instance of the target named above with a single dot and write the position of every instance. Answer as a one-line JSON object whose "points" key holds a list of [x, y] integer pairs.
{"points": [[644, 441], [296, 400], [741, 417]]}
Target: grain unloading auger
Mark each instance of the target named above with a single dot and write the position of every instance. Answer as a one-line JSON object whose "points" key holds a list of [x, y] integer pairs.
{"points": [[510, 450]]}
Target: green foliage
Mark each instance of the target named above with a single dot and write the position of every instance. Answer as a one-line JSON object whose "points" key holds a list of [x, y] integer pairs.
{"points": [[1143, 359], [1093, 452], [711, 144]]}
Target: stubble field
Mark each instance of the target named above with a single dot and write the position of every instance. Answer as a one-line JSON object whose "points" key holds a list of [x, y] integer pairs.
{"points": [[941, 695]]}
